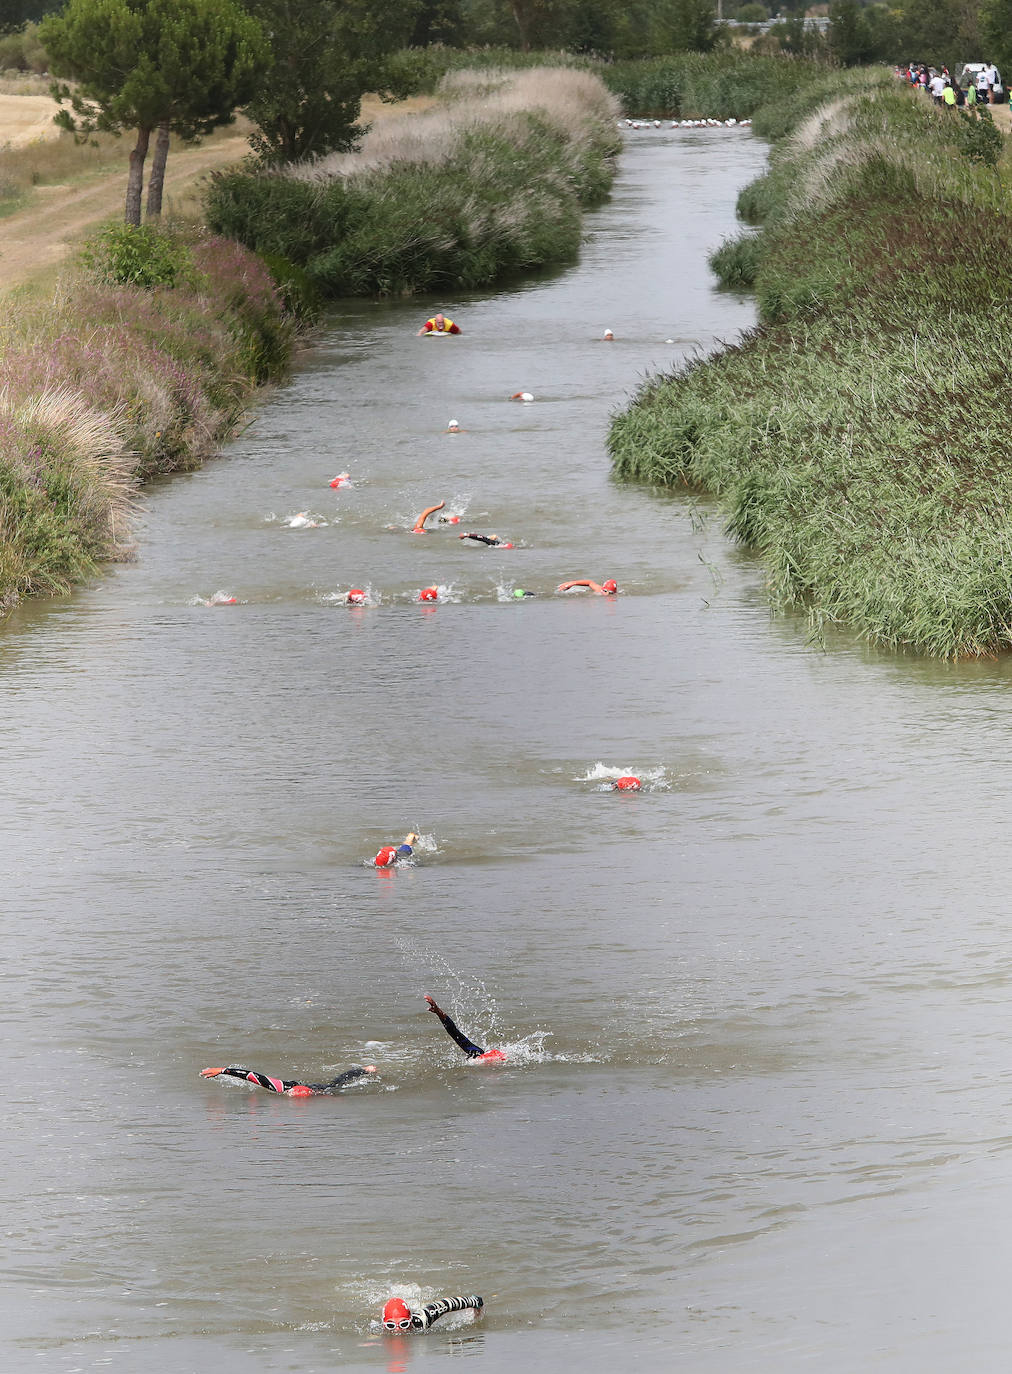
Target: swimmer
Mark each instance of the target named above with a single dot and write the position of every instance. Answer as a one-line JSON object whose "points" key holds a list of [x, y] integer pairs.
{"points": [[302, 521], [221, 599], [609, 588], [439, 324], [626, 784], [491, 540], [472, 1050], [398, 1316], [519, 593], [429, 594], [453, 427], [449, 520], [292, 1087], [390, 853], [522, 396], [342, 479], [356, 597], [420, 522], [607, 336]]}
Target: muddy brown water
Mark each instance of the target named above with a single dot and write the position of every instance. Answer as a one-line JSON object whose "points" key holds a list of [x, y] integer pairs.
{"points": [[756, 1112]]}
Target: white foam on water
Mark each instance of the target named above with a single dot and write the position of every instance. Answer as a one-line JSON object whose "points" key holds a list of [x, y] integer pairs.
{"points": [[655, 779]]}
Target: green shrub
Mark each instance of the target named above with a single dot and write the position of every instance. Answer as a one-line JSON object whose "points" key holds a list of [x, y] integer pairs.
{"points": [[138, 255]]}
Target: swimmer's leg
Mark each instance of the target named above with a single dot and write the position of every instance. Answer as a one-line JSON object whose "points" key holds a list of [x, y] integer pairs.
{"points": [[454, 1032]]}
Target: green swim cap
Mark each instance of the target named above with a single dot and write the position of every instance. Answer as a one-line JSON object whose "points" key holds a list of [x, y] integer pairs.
{"points": [[519, 592]]}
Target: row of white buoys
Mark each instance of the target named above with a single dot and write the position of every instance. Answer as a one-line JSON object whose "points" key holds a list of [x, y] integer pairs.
{"points": [[686, 124]]}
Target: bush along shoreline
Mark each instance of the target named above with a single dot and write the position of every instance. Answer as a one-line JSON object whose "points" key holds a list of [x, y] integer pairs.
{"points": [[860, 438], [488, 184], [141, 365]]}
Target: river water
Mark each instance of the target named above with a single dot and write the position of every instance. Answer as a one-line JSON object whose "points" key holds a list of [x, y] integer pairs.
{"points": [[755, 1114]]}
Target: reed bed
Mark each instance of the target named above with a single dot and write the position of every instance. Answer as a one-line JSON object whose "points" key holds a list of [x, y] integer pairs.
{"points": [[491, 182], [108, 384], [861, 438]]}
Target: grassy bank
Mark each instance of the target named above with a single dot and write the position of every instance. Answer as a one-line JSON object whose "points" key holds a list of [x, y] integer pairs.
{"points": [[861, 437], [113, 382], [489, 183], [720, 84]]}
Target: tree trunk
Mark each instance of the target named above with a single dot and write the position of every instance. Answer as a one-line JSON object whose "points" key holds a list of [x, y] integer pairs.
{"points": [[135, 181], [156, 179]]}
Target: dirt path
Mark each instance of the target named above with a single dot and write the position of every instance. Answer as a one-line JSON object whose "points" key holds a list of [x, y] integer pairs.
{"points": [[35, 240]]}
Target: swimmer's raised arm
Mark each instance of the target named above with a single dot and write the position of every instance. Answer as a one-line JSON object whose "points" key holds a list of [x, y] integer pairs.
{"points": [[420, 522], [472, 1050]]}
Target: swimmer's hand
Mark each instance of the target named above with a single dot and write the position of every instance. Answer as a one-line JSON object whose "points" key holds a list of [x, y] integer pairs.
{"points": [[432, 1005]]}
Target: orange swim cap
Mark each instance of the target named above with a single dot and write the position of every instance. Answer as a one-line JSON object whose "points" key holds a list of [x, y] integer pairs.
{"points": [[491, 1057], [396, 1313], [627, 784], [300, 1090], [611, 585]]}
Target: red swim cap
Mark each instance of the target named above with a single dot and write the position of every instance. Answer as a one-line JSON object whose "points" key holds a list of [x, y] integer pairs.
{"points": [[386, 856], [505, 546], [300, 1090], [356, 595], [611, 585], [491, 1057], [428, 594], [396, 1311], [453, 519], [627, 784]]}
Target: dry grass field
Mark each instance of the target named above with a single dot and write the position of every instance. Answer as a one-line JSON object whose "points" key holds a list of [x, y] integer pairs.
{"points": [[77, 189]]}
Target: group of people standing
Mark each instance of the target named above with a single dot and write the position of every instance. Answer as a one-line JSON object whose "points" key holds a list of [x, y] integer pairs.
{"points": [[983, 84]]}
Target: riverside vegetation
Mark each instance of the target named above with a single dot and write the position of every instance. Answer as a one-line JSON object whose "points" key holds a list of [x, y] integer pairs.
{"points": [[860, 438], [142, 364], [489, 182]]}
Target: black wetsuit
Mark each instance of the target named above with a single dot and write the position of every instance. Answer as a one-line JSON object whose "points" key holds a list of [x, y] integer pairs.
{"points": [[491, 539], [284, 1085], [472, 1050], [432, 1311]]}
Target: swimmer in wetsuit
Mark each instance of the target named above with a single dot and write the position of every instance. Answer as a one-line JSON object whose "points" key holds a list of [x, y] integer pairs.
{"points": [[398, 1316], [291, 1086], [492, 540], [472, 1050]]}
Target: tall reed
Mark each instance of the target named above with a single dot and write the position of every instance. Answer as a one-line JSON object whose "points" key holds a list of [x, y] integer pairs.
{"points": [[489, 183], [861, 438]]}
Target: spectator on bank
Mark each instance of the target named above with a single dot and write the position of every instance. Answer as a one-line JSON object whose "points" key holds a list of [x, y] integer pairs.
{"points": [[937, 86]]}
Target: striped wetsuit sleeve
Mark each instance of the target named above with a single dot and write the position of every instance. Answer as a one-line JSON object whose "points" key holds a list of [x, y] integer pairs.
{"points": [[432, 1311]]}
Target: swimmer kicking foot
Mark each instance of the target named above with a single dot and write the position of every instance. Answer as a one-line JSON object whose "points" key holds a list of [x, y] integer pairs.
{"points": [[472, 1050], [291, 1086]]}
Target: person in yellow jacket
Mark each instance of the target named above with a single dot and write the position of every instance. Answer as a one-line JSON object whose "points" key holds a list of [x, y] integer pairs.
{"points": [[439, 324]]}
